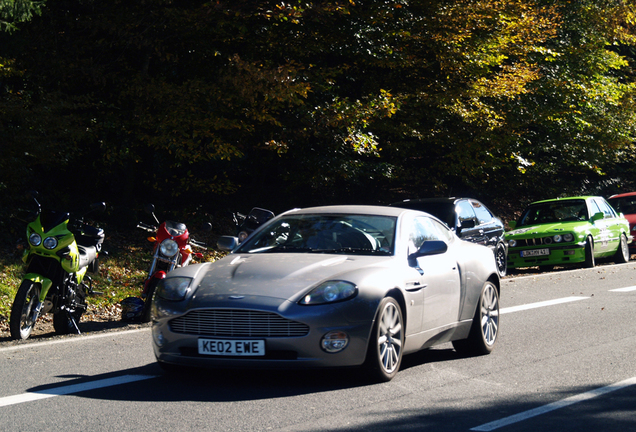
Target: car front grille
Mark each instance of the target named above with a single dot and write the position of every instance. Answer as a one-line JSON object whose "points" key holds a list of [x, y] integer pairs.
{"points": [[534, 241], [237, 323]]}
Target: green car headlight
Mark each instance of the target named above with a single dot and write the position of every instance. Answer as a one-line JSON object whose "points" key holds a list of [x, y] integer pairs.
{"points": [[568, 237], [173, 288], [557, 238], [330, 292]]}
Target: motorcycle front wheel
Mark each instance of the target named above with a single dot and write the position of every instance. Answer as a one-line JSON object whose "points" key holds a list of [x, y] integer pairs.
{"points": [[23, 311], [145, 314]]}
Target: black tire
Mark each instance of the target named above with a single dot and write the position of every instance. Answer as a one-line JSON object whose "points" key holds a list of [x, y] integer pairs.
{"points": [[63, 324], [501, 259], [622, 254], [485, 328], [145, 313], [384, 354], [22, 320], [589, 253]]}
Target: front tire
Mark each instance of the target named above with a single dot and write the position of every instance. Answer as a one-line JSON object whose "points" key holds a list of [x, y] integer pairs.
{"points": [[485, 328], [23, 311], [589, 253], [384, 354], [622, 254]]}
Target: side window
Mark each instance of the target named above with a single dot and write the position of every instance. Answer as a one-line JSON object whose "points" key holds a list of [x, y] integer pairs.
{"points": [[593, 207], [483, 215], [465, 211], [423, 229], [605, 208]]}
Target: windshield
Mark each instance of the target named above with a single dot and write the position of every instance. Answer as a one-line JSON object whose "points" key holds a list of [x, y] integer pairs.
{"points": [[325, 233], [175, 229], [555, 212]]}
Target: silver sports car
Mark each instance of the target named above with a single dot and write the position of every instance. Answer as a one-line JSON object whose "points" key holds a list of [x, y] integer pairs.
{"points": [[330, 287]]}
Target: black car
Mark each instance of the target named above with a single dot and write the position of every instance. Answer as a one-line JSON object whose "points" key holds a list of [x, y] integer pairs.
{"points": [[471, 221]]}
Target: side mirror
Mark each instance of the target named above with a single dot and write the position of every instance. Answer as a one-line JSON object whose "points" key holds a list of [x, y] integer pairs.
{"points": [[512, 224], [597, 216], [149, 208], [429, 247], [207, 227], [465, 224], [227, 243]]}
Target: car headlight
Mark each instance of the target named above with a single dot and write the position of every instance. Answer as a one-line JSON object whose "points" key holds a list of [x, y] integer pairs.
{"points": [[173, 288], [169, 248], [35, 239], [50, 243], [512, 243], [558, 238], [568, 237], [330, 292]]}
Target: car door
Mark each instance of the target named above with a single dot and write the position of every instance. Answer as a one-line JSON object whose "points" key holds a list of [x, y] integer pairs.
{"points": [[439, 275], [468, 228], [599, 229], [612, 224], [487, 224]]}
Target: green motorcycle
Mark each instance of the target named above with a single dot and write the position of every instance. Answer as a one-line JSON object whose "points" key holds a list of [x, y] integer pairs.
{"points": [[59, 252]]}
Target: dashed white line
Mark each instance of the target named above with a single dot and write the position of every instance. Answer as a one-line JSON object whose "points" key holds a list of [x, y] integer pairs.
{"points": [[69, 389], [554, 406], [540, 304], [626, 289]]}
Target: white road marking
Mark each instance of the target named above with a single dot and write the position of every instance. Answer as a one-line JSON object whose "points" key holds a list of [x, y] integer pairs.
{"points": [[540, 304], [70, 339], [69, 389], [626, 289], [554, 406]]}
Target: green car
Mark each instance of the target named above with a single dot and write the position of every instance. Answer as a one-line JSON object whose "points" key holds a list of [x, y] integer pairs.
{"points": [[567, 231]]}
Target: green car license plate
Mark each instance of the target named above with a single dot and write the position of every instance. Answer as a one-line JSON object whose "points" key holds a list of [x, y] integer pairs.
{"points": [[233, 347], [535, 252]]}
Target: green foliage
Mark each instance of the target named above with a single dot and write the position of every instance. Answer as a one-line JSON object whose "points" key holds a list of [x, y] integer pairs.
{"points": [[13, 12], [319, 102]]}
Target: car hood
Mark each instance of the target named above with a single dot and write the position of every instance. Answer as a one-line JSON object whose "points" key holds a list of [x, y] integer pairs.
{"points": [[549, 228], [283, 275]]}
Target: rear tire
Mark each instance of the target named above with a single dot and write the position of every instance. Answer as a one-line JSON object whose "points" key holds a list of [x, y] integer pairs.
{"points": [[485, 328], [501, 258], [622, 254], [384, 354], [589, 253], [22, 318]]}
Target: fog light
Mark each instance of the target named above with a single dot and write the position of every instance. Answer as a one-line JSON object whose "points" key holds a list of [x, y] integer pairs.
{"points": [[158, 336], [568, 252], [334, 341]]}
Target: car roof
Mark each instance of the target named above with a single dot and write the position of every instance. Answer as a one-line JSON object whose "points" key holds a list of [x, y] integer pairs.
{"points": [[585, 197], [451, 200], [622, 195], [373, 210]]}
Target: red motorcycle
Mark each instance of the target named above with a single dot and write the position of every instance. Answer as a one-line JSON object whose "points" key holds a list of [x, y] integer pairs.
{"points": [[172, 248]]}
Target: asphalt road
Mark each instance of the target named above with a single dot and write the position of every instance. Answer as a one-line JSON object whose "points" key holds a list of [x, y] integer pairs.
{"points": [[565, 361]]}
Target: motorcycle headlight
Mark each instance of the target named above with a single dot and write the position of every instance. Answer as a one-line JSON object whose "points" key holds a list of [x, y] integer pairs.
{"points": [[169, 248], [330, 292], [50, 243], [35, 239], [173, 288]]}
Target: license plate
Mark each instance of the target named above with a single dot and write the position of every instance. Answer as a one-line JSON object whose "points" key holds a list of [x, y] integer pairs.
{"points": [[535, 252], [234, 347]]}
